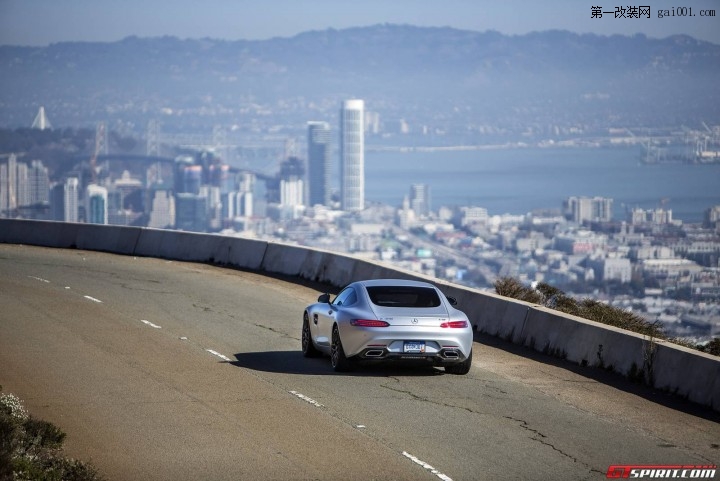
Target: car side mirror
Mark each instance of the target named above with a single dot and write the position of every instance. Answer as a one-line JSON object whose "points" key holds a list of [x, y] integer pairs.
{"points": [[452, 300], [324, 299]]}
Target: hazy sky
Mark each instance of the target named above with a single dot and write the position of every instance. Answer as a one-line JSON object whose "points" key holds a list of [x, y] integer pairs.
{"points": [[40, 22]]}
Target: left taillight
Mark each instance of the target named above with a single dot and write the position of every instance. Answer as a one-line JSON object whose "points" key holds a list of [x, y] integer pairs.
{"points": [[368, 323], [455, 324]]}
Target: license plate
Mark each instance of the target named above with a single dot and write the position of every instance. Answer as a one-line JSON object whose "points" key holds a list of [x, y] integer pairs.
{"points": [[414, 347]]}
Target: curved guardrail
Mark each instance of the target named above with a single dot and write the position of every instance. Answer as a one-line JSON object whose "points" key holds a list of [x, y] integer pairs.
{"points": [[665, 366]]}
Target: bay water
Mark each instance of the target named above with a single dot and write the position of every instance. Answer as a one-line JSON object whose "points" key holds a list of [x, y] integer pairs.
{"points": [[520, 180]]}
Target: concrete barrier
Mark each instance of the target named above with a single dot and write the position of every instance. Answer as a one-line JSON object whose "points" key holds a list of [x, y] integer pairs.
{"points": [[686, 372], [246, 253], [120, 240], [291, 260], [189, 246], [45, 234], [582, 341]]}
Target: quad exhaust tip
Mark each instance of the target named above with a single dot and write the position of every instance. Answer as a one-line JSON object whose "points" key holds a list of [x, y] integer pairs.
{"points": [[375, 353], [450, 354]]}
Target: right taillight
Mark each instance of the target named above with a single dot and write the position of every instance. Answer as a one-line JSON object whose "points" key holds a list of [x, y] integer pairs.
{"points": [[454, 324]]}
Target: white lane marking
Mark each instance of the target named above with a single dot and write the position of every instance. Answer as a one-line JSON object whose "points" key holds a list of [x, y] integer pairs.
{"points": [[154, 326], [306, 399], [425, 465], [93, 299], [67, 287], [215, 353], [39, 279]]}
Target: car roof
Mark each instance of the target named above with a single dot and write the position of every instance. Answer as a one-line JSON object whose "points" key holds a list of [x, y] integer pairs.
{"points": [[394, 282]]}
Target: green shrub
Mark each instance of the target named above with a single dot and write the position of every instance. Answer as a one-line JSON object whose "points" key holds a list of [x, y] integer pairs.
{"points": [[31, 449], [712, 347], [53, 469], [43, 433]]}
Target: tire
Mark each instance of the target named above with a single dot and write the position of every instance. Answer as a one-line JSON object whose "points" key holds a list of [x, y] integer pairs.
{"points": [[460, 368], [340, 363], [308, 348]]}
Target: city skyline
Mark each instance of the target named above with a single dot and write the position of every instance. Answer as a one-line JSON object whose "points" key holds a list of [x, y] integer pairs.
{"points": [[587, 164], [649, 255]]}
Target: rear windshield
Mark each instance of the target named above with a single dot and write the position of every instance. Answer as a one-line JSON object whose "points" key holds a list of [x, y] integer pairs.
{"points": [[403, 296]]}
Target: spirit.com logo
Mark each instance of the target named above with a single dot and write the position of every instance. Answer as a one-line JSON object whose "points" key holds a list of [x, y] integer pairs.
{"points": [[661, 472]]}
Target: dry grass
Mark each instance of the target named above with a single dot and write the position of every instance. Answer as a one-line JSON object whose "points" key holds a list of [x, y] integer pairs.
{"points": [[552, 297]]}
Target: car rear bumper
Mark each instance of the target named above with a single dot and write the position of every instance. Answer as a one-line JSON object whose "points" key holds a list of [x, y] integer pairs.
{"points": [[441, 357], [389, 342]]}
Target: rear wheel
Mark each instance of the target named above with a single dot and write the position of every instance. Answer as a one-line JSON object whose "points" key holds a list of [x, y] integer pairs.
{"points": [[340, 363], [461, 367], [308, 348]]}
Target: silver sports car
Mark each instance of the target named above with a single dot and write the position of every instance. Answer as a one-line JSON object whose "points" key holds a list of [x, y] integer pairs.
{"points": [[388, 319]]}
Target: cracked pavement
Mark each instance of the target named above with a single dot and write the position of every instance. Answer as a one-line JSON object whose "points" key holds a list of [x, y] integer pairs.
{"points": [[145, 403]]}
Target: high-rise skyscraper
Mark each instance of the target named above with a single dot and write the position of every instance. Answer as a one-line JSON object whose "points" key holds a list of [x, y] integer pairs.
{"points": [[11, 203], [39, 183], [22, 186], [352, 155], [420, 199], [291, 192], [162, 208], [22, 183], [96, 204], [245, 185], [588, 209], [318, 163], [191, 212], [4, 190], [290, 183], [192, 179], [57, 202], [71, 195]]}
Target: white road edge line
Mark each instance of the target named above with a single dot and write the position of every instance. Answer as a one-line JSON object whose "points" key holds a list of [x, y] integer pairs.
{"points": [[93, 299], [154, 326], [215, 353], [425, 465], [306, 399]]}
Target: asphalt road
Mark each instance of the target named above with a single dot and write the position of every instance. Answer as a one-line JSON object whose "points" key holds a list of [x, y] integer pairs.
{"points": [[162, 370]]}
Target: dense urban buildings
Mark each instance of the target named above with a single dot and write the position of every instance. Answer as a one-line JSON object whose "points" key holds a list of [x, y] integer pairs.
{"points": [[645, 260]]}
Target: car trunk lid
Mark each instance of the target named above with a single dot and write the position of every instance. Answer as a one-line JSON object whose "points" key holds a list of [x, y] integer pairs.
{"points": [[430, 317]]}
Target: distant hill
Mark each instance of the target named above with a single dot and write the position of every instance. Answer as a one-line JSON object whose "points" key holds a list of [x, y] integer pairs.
{"points": [[429, 74]]}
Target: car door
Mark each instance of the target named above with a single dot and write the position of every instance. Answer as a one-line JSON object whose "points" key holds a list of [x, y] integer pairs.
{"points": [[325, 318]]}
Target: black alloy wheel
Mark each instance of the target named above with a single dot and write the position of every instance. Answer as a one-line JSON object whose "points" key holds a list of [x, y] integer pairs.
{"points": [[340, 363], [308, 348], [461, 367]]}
